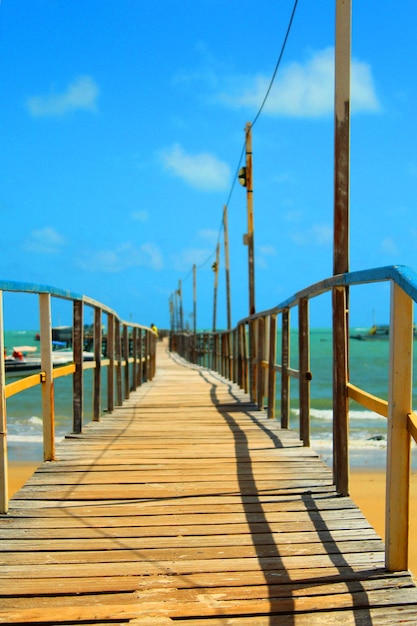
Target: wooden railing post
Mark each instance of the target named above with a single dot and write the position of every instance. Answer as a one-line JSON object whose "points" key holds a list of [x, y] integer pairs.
{"points": [[152, 355], [399, 441], [252, 358], [304, 370], [77, 346], [245, 353], [118, 358], [260, 379], [271, 365], [4, 481], [135, 357], [97, 362], [110, 356], [140, 357], [285, 379], [146, 355], [235, 354], [340, 393], [48, 381], [229, 350], [126, 360]]}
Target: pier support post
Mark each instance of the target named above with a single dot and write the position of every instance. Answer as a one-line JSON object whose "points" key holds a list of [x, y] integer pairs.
{"points": [[77, 346], [341, 243], [4, 480], [271, 367], [399, 441], [97, 362], [48, 381], [285, 364], [110, 355], [304, 367]]}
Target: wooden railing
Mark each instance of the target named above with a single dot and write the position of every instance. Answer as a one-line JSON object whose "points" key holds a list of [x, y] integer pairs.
{"points": [[129, 359], [229, 352]]}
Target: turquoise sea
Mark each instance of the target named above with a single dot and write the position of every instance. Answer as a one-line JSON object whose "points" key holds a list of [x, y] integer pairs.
{"points": [[368, 369]]}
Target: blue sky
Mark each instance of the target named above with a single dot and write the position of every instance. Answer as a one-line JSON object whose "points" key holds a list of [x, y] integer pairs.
{"points": [[122, 124]]}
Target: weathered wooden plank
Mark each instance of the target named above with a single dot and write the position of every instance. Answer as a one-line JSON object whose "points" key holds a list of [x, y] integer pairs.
{"points": [[133, 605], [317, 577], [198, 504], [146, 566], [295, 540], [113, 527], [341, 517], [117, 551]]}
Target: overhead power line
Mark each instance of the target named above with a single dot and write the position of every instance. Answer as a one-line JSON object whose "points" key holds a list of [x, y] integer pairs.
{"points": [[281, 54], [255, 119]]}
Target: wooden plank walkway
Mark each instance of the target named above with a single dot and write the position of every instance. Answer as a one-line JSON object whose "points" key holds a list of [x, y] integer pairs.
{"points": [[187, 506]]}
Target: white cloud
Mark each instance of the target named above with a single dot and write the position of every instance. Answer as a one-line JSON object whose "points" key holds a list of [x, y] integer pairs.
{"points": [[82, 94], [45, 241], [265, 253], [202, 171], [140, 216], [303, 90], [184, 261], [293, 216], [389, 247], [209, 235], [318, 235], [152, 256], [123, 257]]}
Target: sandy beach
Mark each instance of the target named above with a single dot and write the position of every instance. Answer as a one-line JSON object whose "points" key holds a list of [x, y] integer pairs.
{"points": [[19, 473], [367, 490]]}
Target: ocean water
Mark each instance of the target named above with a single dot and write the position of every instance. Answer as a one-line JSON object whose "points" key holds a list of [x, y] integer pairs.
{"points": [[368, 370]]}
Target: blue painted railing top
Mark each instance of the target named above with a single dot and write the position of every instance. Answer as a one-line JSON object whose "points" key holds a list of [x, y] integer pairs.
{"points": [[402, 275], [34, 288]]}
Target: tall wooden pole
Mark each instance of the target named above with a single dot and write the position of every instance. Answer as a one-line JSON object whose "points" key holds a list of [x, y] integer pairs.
{"points": [[171, 313], [195, 299], [227, 266], [251, 256], [341, 245], [216, 282], [250, 231], [180, 305], [4, 465]]}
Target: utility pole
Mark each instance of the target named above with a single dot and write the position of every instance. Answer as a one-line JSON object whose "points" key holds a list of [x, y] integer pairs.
{"points": [[215, 268], [195, 299], [171, 313], [246, 179], [341, 245], [180, 305], [227, 266]]}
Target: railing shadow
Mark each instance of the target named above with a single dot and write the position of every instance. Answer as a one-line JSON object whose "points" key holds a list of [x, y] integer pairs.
{"points": [[262, 533]]}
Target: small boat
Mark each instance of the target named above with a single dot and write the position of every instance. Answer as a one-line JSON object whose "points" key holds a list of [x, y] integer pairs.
{"points": [[377, 331], [26, 359]]}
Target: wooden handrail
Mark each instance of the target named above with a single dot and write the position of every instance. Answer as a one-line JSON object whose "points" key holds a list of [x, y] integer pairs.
{"points": [[137, 366], [251, 363]]}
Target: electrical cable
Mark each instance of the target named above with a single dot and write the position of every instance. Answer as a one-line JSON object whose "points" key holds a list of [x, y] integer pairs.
{"points": [[255, 119], [277, 65]]}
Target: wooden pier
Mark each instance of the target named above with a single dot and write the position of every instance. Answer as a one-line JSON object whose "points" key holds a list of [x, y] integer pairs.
{"points": [[188, 506]]}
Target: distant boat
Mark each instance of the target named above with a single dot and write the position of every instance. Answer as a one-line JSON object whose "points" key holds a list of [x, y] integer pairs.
{"points": [[377, 331], [24, 361]]}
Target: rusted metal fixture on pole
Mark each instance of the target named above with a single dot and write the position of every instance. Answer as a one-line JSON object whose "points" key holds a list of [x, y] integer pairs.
{"points": [[341, 244]]}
